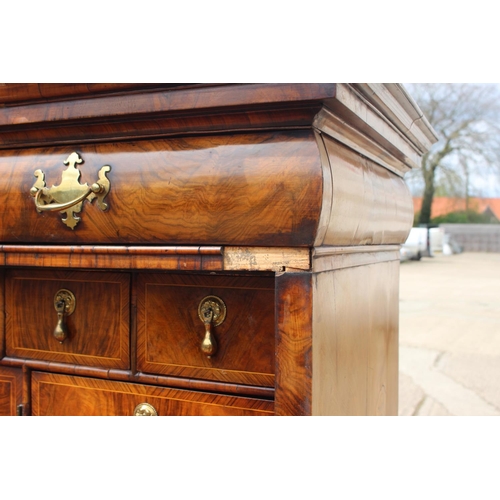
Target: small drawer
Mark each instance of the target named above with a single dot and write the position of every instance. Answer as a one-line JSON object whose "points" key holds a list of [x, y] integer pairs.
{"points": [[64, 395], [97, 330], [171, 329]]}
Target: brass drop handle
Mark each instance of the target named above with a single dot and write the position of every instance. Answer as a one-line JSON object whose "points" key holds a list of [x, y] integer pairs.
{"points": [[212, 312], [64, 304], [209, 344], [68, 196], [145, 410], [52, 207]]}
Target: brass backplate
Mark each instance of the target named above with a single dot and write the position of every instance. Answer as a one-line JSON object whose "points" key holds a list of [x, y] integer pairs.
{"points": [[68, 197], [68, 298], [213, 304]]}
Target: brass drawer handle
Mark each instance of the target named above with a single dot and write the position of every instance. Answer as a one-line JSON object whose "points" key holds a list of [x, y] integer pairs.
{"points": [[64, 304], [212, 312], [70, 193], [52, 207], [145, 410]]}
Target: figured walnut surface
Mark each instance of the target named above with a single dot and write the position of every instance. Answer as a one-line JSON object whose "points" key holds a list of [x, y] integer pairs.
{"points": [[66, 395], [144, 128], [139, 377], [2, 313], [294, 344], [239, 168], [170, 332], [243, 189], [10, 390], [127, 107], [98, 328], [171, 258], [29, 93]]}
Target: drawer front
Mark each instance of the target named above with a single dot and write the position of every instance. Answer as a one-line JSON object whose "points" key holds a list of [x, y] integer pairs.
{"points": [[247, 189], [170, 331], [63, 395], [10, 390], [97, 329]]}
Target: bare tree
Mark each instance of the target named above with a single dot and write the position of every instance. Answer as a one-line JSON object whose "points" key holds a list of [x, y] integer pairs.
{"points": [[466, 118]]}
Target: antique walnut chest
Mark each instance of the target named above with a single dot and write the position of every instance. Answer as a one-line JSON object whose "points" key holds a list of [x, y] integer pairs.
{"points": [[203, 249]]}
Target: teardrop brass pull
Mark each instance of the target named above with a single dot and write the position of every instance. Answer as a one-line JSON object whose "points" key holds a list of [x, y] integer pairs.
{"points": [[212, 312], [64, 304], [209, 344]]}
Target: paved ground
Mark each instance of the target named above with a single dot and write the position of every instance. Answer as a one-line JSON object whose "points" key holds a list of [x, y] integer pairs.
{"points": [[450, 335]]}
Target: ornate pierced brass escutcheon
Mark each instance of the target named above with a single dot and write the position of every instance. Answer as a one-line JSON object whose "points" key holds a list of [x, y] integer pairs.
{"points": [[145, 410], [68, 197], [64, 304], [212, 312]]}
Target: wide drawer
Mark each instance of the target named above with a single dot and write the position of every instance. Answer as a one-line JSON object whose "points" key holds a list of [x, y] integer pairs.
{"points": [[97, 329], [171, 330], [250, 189], [64, 395]]}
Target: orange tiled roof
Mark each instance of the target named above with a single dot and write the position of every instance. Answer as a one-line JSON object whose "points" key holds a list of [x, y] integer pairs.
{"points": [[443, 206]]}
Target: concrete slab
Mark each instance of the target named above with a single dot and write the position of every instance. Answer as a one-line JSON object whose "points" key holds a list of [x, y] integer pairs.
{"points": [[478, 373], [450, 335]]}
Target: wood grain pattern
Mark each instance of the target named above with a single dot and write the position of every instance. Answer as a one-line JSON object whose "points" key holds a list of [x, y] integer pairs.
{"points": [[26, 400], [170, 332], [165, 101], [113, 257], [262, 190], [371, 205], [10, 390], [294, 344], [355, 341], [110, 113], [2, 313], [161, 127], [286, 200], [99, 327], [66, 395], [18, 93], [140, 377]]}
